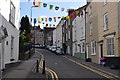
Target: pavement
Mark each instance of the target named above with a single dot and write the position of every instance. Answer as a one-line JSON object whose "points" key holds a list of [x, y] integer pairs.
{"points": [[23, 70], [105, 69]]}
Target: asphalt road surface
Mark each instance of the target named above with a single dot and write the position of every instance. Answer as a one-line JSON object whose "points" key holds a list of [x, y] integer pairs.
{"points": [[65, 68]]}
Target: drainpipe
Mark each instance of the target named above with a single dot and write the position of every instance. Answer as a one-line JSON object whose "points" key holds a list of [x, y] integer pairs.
{"points": [[85, 35]]}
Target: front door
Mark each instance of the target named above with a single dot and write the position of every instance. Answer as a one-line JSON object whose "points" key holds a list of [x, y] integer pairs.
{"points": [[100, 51]]}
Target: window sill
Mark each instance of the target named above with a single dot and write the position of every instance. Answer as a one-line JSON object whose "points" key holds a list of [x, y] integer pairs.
{"points": [[106, 30], [110, 56], [93, 54]]}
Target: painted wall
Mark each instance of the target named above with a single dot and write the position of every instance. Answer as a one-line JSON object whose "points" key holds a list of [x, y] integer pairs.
{"points": [[13, 31], [78, 36]]}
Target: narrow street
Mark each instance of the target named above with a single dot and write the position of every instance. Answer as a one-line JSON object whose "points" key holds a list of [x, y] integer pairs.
{"points": [[64, 68]]}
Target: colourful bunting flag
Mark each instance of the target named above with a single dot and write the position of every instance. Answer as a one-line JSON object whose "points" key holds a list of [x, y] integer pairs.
{"points": [[42, 19], [34, 2], [50, 19], [75, 16], [59, 17], [72, 25], [71, 11], [39, 4], [56, 8], [44, 5], [38, 20], [62, 9], [54, 19], [46, 19], [71, 16], [51, 6], [67, 17], [46, 25], [77, 12], [63, 18]]}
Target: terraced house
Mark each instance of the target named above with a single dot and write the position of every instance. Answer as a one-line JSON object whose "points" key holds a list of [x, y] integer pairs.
{"points": [[9, 19], [78, 33], [103, 31]]}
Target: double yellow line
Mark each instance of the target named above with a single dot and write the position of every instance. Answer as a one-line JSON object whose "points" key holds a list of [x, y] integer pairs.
{"points": [[53, 74], [93, 70]]}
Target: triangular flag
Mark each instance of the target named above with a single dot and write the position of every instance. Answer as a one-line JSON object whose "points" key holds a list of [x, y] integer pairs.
{"points": [[38, 20], [71, 11], [51, 6], [39, 4], [46, 19], [75, 16], [71, 16], [42, 19], [62, 9], [59, 17], [44, 5], [46, 25], [77, 12], [63, 18], [34, 2], [54, 19], [50, 19], [67, 17], [56, 8]]}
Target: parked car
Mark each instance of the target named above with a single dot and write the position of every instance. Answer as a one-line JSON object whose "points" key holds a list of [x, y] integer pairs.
{"points": [[53, 49], [59, 51], [50, 48]]}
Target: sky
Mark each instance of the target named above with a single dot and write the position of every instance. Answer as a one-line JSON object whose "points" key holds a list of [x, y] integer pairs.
{"points": [[39, 12]]}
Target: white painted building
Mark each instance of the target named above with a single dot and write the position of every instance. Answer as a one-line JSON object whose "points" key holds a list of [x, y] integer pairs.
{"points": [[78, 33], [59, 34], [9, 18], [54, 37]]}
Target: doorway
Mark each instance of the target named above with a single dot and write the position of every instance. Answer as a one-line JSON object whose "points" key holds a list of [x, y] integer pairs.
{"points": [[100, 51]]}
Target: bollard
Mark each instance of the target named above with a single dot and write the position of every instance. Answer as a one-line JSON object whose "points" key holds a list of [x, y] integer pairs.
{"points": [[29, 53], [37, 66], [43, 67]]}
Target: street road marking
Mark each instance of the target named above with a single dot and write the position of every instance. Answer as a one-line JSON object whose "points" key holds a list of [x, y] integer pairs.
{"points": [[47, 69], [98, 72]]}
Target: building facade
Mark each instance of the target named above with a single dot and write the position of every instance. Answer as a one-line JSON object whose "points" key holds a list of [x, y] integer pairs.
{"points": [[92, 31], [59, 34], [9, 19], [48, 35], [102, 32], [79, 34], [108, 44]]}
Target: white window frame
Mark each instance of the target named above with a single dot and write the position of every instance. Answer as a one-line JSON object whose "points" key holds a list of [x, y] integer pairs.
{"points": [[83, 47], [12, 13], [105, 2], [105, 21], [90, 10], [112, 48], [91, 27], [93, 48]]}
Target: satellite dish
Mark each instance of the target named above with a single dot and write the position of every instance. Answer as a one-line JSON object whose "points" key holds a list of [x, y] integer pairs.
{"points": [[3, 32]]}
